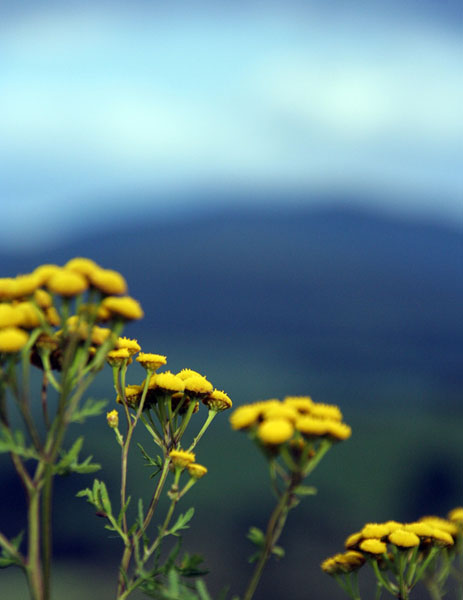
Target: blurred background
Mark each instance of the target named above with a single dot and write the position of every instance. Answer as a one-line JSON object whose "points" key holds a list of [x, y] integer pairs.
{"points": [[280, 182]]}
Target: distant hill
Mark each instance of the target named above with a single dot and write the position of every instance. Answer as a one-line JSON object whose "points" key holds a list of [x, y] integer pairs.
{"points": [[342, 294]]}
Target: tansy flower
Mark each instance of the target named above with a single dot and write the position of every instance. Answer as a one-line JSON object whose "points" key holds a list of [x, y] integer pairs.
{"points": [[84, 266], [112, 418], [338, 431], [244, 416], [311, 427], [12, 339], [151, 361], [9, 315], [353, 540], [441, 537], [196, 470], [441, 524], [167, 382], [44, 272], [181, 458], [280, 411], [118, 357], [375, 530], [67, 283], [186, 373], [24, 285], [217, 401], [132, 395], [423, 530], [404, 539], [198, 385], [132, 345], [43, 299], [456, 515], [275, 432], [373, 546], [52, 317], [100, 335], [326, 411], [6, 286], [107, 281], [125, 307], [30, 316], [303, 404]]}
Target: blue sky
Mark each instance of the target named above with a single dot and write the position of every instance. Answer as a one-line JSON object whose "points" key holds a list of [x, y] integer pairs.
{"points": [[100, 101]]}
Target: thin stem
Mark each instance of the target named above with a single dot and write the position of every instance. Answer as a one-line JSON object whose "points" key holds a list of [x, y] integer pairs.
{"points": [[34, 566], [210, 416]]}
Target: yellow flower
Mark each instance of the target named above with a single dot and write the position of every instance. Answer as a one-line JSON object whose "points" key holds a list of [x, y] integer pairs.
{"points": [[132, 395], [24, 285], [375, 530], [6, 287], [12, 339], [100, 335], [9, 315], [196, 470], [244, 416], [43, 299], [441, 524], [30, 316], [181, 458], [198, 385], [456, 515], [326, 411], [52, 317], [353, 540], [117, 358], [404, 539], [44, 272], [84, 266], [217, 401], [125, 307], [107, 281], [311, 427], [303, 404], [442, 537], [423, 530], [167, 381], [280, 411], [338, 431], [373, 546], [151, 361], [350, 561], [112, 418], [132, 345], [275, 432], [67, 283], [186, 373]]}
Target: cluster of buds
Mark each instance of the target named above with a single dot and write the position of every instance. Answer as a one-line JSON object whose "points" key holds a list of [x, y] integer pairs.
{"points": [[54, 307], [401, 554]]}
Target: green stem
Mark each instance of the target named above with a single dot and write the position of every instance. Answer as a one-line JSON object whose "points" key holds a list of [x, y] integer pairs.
{"points": [[210, 417], [47, 505], [34, 566]]}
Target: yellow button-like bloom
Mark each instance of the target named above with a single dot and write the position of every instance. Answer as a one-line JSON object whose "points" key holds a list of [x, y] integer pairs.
{"points": [[100, 335], [244, 416], [456, 515], [12, 339], [6, 287], [338, 431], [275, 432], [441, 524], [196, 470], [44, 272], [30, 316], [404, 539], [423, 530], [347, 562], [197, 384], [43, 299], [375, 530], [112, 418], [280, 411], [311, 427], [186, 373], [168, 382], [132, 345], [326, 411], [24, 285], [125, 307], [373, 546], [107, 281], [9, 315], [118, 357], [132, 395], [303, 404], [84, 266], [218, 401], [52, 317], [67, 283], [181, 458], [353, 540], [151, 361], [441, 537]]}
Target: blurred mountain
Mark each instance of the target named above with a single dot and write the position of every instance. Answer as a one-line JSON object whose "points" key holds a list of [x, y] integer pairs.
{"points": [[356, 300]]}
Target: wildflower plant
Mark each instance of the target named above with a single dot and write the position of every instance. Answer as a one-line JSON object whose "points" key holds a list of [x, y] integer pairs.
{"points": [[293, 435], [401, 555], [50, 319]]}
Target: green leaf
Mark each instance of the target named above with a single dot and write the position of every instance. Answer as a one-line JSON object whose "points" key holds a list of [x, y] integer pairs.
{"points": [[256, 536], [91, 408], [182, 522], [202, 590], [69, 462], [14, 442], [190, 566], [278, 551], [156, 463], [6, 558], [305, 490]]}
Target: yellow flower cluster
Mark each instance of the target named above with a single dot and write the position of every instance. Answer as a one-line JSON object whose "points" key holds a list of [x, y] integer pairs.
{"points": [[296, 419], [40, 302]]}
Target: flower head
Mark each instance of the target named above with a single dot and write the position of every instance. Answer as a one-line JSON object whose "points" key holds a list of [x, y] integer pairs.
{"points": [[167, 382], [112, 418], [196, 470], [151, 361], [373, 546], [84, 266], [244, 416], [275, 432], [217, 401], [12, 339], [67, 283], [107, 281], [124, 307], [404, 539], [132, 345], [181, 458], [9, 315], [118, 357], [197, 385]]}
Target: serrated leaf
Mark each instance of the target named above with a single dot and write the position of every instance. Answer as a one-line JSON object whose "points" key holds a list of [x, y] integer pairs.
{"points": [[6, 558], [156, 463], [69, 462], [14, 442], [91, 408], [182, 522], [256, 536]]}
